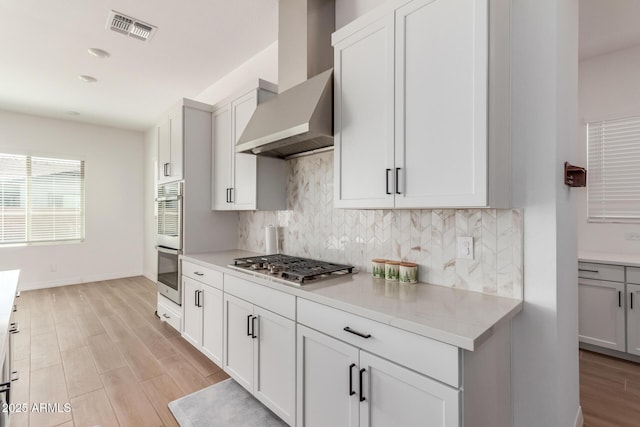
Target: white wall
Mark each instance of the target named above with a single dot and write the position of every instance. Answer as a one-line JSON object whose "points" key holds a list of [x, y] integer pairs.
{"points": [[609, 88], [150, 255], [113, 201], [348, 10], [544, 112], [263, 66]]}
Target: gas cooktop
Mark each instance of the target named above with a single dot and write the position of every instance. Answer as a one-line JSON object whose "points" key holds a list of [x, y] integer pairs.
{"points": [[292, 269]]}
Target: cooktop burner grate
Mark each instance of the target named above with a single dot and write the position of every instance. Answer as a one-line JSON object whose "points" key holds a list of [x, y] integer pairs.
{"points": [[294, 269]]}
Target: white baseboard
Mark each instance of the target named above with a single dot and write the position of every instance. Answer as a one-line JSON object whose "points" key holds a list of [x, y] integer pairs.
{"points": [[579, 418], [75, 280]]}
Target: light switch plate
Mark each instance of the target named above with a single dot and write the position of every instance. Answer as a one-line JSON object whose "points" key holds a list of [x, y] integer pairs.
{"points": [[465, 247]]}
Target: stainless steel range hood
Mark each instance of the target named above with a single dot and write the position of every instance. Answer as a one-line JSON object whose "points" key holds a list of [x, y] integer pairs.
{"points": [[300, 118]]}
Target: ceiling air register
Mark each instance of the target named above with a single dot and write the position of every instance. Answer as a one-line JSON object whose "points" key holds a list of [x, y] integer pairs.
{"points": [[123, 24]]}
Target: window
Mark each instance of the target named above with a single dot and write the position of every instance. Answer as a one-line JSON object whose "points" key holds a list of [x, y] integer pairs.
{"points": [[41, 199], [613, 178]]}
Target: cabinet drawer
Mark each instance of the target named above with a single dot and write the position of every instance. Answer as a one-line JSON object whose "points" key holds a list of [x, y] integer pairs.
{"points": [[633, 275], [202, 274], [430, 357], [270, 299], [169, 314], [592, 270]]}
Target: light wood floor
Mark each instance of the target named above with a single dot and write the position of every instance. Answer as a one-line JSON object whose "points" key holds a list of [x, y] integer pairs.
{"points": [[100, 348], [609, 391]]}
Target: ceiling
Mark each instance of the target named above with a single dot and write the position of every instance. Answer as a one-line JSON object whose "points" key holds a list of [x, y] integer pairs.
{"points": [[608, 25], [43, 49]]}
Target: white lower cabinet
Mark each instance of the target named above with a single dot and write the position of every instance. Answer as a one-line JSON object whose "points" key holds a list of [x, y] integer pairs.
{"points": [[260, 354], [601, 313], [341, 385], [202, 302], [327, 369]]}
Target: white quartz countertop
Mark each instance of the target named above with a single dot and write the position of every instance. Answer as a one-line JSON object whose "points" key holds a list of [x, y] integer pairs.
{"points": [[610, 258], [454, 316], [8, 287]]}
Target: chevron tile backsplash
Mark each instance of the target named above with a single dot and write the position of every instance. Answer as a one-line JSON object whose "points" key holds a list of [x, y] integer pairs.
{"points": [[313, 228]]}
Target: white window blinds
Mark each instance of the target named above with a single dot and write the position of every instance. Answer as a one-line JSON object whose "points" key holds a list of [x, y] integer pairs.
{"points": [[613, 179], [41, 199]]}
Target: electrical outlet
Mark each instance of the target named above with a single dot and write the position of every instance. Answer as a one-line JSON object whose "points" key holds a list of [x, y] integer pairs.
{"points": [[632, 236], [465, 247]]}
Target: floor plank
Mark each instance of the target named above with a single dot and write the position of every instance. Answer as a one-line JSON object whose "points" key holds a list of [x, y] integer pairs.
{"points": [[93, 409], [80, 371], [69, 336], [105, 353], [44, 351], [203, 365], [162, 390], [130, 403], [48, 387], [184, 374]]}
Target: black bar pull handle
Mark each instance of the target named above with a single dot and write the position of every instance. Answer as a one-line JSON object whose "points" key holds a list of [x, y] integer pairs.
{"points": [[588, 271], [351, 391], [249, 325], [360, 334], [362, 398], [397, 181], [388, 192], [200, 299], [619, 298], [195, 302], [631, 295], [231, 194], [253, 327]]}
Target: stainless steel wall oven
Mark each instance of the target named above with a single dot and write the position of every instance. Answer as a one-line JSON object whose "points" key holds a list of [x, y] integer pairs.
{"points": [[169, 240]]}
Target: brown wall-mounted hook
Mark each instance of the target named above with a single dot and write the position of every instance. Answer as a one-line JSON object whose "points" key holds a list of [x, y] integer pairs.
{"points": [[574, 176]]}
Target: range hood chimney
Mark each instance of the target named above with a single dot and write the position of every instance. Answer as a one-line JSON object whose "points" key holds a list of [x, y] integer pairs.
{"points": [[300, 118]]}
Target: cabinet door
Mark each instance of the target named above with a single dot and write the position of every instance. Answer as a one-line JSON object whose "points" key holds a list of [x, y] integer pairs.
{"points": [[363, 118], [164, 152], [192, 312], [601, 313], [177, 139], [212, 325], [327, 381], [441, 103], [222, 158], [274, 363], [633, 319], [238, 348], [244, 168], [396, 396]]}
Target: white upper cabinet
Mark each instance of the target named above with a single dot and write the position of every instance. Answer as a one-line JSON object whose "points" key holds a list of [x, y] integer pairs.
{"points": [[363, 117], [170, 146], [243, 181], [412, 105]]}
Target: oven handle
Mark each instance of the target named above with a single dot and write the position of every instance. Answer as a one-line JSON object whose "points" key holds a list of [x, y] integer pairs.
{"points": [[168, 198], [168, 250]]}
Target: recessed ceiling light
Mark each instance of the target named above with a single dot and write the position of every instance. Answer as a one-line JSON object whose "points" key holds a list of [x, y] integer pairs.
{"points": [[73, 113], [87, 79], [99, 53]]}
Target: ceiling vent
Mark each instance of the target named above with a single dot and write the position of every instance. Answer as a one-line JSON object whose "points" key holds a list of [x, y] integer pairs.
{"points": [[123, 24]]}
